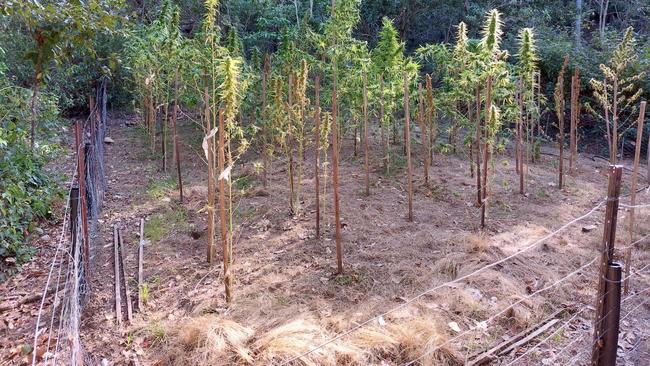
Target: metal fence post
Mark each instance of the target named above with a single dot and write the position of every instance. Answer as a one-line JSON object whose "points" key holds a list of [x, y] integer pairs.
{"points": [[604, 308]]}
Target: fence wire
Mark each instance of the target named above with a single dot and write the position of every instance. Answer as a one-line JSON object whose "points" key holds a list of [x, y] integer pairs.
{"points": [[58, 339]]}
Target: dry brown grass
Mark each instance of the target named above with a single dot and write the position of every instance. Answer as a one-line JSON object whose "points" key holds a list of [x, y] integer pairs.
{"points": [[213, 340]]}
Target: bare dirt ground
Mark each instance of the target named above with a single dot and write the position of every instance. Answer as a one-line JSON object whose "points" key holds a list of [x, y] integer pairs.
{"points": [[287, 297]]}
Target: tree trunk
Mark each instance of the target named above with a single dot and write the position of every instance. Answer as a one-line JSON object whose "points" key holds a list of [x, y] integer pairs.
{"points": [[578, 26], [38, 77]]}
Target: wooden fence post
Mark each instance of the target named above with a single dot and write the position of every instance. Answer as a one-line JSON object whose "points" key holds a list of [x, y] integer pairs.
{"points": [[607, 250]]}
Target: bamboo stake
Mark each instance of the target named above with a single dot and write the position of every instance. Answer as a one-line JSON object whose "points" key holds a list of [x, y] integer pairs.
{"points": [[407, 140], [637, 157], [365, 132], [227, 279], [317, 153], [335, 174]]}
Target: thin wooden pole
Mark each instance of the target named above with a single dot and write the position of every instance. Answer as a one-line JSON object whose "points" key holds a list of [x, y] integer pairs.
{"points": [[384, 130], [317, 153], [407, 140], [177, 152], [635, 173], [227, 278], [423, 132], [430, 116], [520, 144], [118, 295], [125, 281], [140, 266], [211, 180], [335, 173], [265, 129], [486, 151], [477, 143], [366, 134]]}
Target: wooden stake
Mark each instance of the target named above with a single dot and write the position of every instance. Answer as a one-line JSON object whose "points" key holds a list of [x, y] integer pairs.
{"points": [[265, 131], [477, 143], [335, 174], [211, 180], [140, 266], [486, 151], [520, 143], [635, 172], [365, 132], [384, 130], [317, 153], [423, 132], [125, 281], [118, 295], [163, 140], [407, 140], [227, 278], [430, 115], [175, 132]]}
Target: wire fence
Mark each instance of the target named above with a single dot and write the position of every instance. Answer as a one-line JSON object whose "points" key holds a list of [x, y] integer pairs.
{"points": [[515, 358], [57, 339]]}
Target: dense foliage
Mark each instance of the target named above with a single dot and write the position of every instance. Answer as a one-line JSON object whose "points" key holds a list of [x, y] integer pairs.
{"points": [[256, 60]]}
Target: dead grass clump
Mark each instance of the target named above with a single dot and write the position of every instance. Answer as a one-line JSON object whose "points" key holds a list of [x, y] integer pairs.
{"points": [[299, 336], [477, 243], [210, 340], [421, 336]]}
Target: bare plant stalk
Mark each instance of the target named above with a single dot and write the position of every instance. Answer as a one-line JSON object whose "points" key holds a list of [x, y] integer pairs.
{"points": [[335, 173], [290, 137], [559, 110], [365, 132], [430, 116], [486, 151], [407, 143], [609, 129], [163, 140], [317, 153], [520, 143], [615, 122], [211, 178], [382, 125], [423, 132], [637, 157], [175, 132], [477, 143], [265, 131], [227, 277]]}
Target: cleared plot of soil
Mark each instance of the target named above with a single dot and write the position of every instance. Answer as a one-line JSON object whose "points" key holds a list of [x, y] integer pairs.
{"points": [[287, 298]]}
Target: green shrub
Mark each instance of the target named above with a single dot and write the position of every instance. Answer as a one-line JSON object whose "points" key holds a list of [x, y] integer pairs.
{"points": [[26, 190]]}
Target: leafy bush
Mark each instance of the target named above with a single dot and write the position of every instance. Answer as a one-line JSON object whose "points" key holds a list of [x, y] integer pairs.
{"points": [[26, 190]]}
